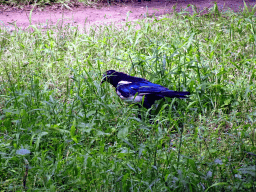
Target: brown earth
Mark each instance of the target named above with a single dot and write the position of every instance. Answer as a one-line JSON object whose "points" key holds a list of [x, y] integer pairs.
{"points": [[82, 16]]}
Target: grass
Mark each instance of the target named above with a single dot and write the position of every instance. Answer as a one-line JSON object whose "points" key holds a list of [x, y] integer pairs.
{"points": [[61, 130], [67, 4]]}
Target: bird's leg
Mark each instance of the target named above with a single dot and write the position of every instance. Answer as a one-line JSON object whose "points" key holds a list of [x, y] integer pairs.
{"points": [[139, 116], [153, 113], [159, 106]]}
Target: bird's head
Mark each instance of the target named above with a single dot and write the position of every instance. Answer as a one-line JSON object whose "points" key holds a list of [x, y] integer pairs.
{"points": [[108, 75]]}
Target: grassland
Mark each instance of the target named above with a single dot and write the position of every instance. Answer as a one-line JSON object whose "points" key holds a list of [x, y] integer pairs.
{"points": [[61, 130]]}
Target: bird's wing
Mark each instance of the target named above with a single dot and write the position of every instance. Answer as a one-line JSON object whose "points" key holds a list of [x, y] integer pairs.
{"points": [[140, 88]]}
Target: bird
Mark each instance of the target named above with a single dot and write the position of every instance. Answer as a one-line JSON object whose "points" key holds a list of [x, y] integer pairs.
{"points": [[139, 90]]}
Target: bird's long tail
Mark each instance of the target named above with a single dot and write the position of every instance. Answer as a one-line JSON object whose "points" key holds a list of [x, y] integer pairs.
{"points": [[176, 94]]}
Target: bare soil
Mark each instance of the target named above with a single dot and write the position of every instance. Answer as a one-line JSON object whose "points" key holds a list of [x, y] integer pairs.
{"points": [[82, 16]]}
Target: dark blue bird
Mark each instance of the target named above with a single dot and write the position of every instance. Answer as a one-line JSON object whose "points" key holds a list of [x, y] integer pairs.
{"points": [[133, 89]]}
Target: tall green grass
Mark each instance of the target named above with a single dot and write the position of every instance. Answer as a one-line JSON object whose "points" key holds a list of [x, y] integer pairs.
{"points": [[61, 130]]}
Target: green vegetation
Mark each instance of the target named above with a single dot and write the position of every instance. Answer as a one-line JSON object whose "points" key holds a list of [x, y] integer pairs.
{"points": [[61, 130], [43, 3]]}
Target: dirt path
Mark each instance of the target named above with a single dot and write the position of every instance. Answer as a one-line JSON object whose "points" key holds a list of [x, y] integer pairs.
{"points": [[83, 16]]}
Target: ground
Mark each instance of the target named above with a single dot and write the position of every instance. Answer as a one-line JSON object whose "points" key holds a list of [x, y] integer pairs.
{"points": [[83, 16]]}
